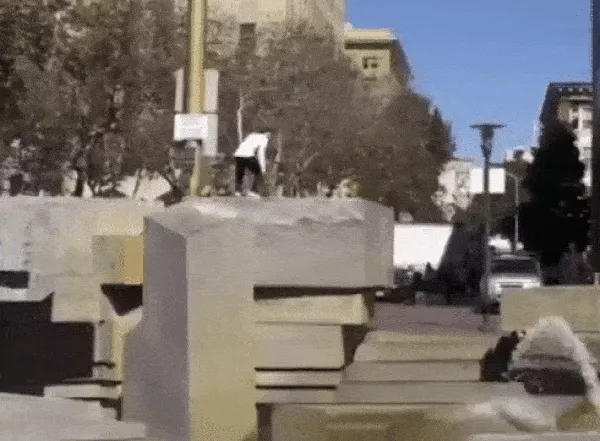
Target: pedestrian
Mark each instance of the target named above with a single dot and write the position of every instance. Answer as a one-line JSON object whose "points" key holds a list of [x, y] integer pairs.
{"points": [[573, 269], [251, 156]]}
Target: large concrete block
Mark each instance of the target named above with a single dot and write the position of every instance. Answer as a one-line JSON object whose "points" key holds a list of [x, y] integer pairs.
{"points": [[343, 309], [189, 365], [337, 243], [52, 237], [578, 305]]}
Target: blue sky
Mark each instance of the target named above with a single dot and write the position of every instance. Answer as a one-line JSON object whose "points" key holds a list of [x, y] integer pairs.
{"points": [[483, 59]]}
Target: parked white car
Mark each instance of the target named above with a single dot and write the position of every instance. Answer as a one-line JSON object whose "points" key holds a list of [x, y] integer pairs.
{"points": [[509, 271]]}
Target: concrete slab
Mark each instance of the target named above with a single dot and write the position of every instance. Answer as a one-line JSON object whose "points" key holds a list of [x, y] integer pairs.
{"points": [[424, 392], [412, 371], [87, 391], [297, 396], [329, 243], [52, 237], [354, 309], [420, 351], [552, 436], [379, 336], [77, 299], [300, 346], [578, 305], [358, 431], [298, 378]]}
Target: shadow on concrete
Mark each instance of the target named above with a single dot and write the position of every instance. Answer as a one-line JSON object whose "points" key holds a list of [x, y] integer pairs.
{"points": [[35, 352], [123, 298]]}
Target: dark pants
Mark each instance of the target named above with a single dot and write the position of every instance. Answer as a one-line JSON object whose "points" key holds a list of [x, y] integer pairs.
{"points": [[241, 166]]}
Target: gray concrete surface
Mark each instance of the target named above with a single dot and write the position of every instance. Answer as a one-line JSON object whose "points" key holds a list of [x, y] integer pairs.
{"points": [[433, 319]]}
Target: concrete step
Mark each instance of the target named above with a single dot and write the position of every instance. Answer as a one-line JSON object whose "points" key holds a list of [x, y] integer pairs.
{"points": [[298, 378], [343, 309], [451, 370], [306, 346], [420, 351], [424, 392], [403, 337]]}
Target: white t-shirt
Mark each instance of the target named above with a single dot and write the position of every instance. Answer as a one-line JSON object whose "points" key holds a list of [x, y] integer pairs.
{"points": [[254, 145]]}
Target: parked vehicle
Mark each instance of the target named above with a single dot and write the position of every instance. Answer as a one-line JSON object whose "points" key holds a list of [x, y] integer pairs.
{"points": [[509, 271]]}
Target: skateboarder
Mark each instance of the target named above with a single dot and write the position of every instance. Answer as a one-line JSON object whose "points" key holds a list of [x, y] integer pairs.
{"points": [[251, 156]]}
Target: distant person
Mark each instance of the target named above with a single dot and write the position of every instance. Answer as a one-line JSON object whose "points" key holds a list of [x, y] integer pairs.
{"points": [[251, 156], [428, 277], [572, 267]]}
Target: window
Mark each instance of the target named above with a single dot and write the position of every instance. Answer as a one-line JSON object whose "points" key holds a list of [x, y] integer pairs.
{"points": [[516, 266], [370, 66], [248, 36], [575, 123], [585, 113]]}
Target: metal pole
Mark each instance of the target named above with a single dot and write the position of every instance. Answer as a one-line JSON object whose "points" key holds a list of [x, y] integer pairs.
{"points": [[595, 190], [515, 178], [488, 216], [487, 136], [195, 80], [517, 203]]}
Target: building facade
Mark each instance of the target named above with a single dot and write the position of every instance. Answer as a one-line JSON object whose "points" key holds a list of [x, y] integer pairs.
{"points": [[380, 57], [520, 153], [572, 103], [252, 15]]}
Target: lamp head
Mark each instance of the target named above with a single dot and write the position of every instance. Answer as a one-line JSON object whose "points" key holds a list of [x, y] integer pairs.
{"points": [[487, 136]]}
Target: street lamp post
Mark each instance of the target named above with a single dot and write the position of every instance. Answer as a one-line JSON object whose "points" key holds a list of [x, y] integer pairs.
{"points": [[487, 137], [517, 181], [195, 87]]}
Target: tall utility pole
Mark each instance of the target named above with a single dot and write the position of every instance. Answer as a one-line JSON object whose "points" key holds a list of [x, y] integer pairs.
{"points": [[195, 85], [517, 180], [595, 196], [487, 137]]}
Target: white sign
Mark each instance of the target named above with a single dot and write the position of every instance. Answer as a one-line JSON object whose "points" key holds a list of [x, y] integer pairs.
{"points": [[497, 180], [190, 126]]}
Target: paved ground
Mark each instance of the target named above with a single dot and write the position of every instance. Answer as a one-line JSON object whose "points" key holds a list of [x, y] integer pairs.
{"points": [[432, 319]]}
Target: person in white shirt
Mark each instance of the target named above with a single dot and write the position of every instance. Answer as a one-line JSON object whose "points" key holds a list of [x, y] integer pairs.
{"points": [[251, 156]]}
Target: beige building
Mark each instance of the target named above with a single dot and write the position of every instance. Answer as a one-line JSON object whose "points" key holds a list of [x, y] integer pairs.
{"points": [[379, 55], [572, 104], [323, 15]]}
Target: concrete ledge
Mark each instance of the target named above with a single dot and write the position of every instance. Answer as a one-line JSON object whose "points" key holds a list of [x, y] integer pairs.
{"points": [[412, 371], [324, 310], [94, 391], [298, 379], [403, 337], [421, 351], [578, 305], [425, 392]]}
